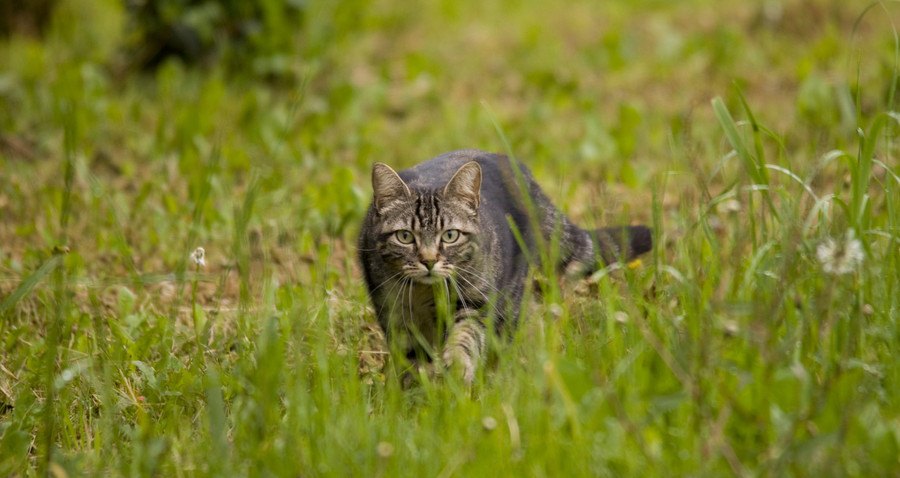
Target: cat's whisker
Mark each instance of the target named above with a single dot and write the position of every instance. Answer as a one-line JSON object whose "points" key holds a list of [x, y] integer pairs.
{"points": [[447, 290], [470, 270], [393, 309], [384, 304], [406, 293], [492, 289], [449, 302], [361, 249], [478, 276], [459, 293], [409, 302], [412, 326], [486, 299], [388, 280]]}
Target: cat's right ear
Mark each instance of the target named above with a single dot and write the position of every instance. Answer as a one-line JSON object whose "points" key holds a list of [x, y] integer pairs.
{"points": [[465, 185], [387, 186]]}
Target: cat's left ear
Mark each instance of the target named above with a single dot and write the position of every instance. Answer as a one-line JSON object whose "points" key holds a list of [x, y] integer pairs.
{"points": [[465, 185], [387, 186]]}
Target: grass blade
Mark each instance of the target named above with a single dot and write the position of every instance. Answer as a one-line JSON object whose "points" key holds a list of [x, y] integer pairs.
{"points": [[29, 283]]}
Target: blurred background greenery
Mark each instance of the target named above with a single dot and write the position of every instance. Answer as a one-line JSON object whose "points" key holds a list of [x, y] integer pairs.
{"points": [[132, 132]]}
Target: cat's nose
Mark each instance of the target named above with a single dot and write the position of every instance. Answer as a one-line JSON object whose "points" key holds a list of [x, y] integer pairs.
{"points": [[428, 256]]}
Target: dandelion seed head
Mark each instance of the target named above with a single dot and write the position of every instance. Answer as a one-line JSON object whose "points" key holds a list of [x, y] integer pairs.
{"points": [[555, 310], [840, 256], [731, 327], [731, 206], [384, 449], [489, 423], [199, 257]]}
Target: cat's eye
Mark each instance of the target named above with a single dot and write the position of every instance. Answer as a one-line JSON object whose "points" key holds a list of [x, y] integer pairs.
{"points": [[404, 237], [450, 236]]}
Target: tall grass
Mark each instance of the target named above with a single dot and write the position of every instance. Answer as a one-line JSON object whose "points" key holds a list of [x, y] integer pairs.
{"points": [[734, 348]]}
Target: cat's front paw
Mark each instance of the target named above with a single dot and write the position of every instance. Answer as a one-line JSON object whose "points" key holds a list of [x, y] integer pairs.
{"points": [[458, 361], [418, 373]]}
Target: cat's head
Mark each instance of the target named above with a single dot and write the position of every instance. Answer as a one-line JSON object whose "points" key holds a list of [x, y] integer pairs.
{"points": [[426, 235]]}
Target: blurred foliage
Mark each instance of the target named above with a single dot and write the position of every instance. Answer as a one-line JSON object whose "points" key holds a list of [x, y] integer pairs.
{"points": [[732, 351], [198, 31], [32, 17]]}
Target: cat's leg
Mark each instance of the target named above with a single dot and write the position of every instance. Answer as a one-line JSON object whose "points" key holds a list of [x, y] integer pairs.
{"points": [[465, 344], [588, 251], [419, 367], [578, 251], [621, 243]]}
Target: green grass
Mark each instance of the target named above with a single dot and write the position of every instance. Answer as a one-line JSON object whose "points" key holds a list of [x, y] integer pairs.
{"points": [[747, 135]]}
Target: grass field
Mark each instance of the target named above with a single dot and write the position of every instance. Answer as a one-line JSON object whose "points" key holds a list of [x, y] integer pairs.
{"points": [[760, 337]]}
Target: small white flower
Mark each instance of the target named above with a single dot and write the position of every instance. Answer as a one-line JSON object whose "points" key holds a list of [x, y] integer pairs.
{"points": [[839, 257], [199, 257]]}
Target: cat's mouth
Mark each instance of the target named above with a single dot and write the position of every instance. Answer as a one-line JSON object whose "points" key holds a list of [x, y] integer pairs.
{"points": [[429, 277]]}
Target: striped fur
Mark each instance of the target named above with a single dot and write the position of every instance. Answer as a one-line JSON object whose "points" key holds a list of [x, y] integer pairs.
{"points": [[442, 230]]}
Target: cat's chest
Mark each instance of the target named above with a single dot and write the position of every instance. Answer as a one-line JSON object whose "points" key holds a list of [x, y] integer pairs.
{"points": [[412, 313], [419, 304]]}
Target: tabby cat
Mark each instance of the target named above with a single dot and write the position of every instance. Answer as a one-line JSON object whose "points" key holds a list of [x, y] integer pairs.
{"points": [[444, 228]]}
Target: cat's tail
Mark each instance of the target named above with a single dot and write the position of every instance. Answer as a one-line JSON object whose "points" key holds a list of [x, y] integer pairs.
{"points": [[621, 243]]}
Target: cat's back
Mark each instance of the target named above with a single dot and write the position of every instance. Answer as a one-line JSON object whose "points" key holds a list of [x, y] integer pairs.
{"points": [[500, 191], [436, 172]]}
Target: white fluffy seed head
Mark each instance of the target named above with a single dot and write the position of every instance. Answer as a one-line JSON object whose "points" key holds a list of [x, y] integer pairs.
{"points": [[840, 256], [199, 257]]}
